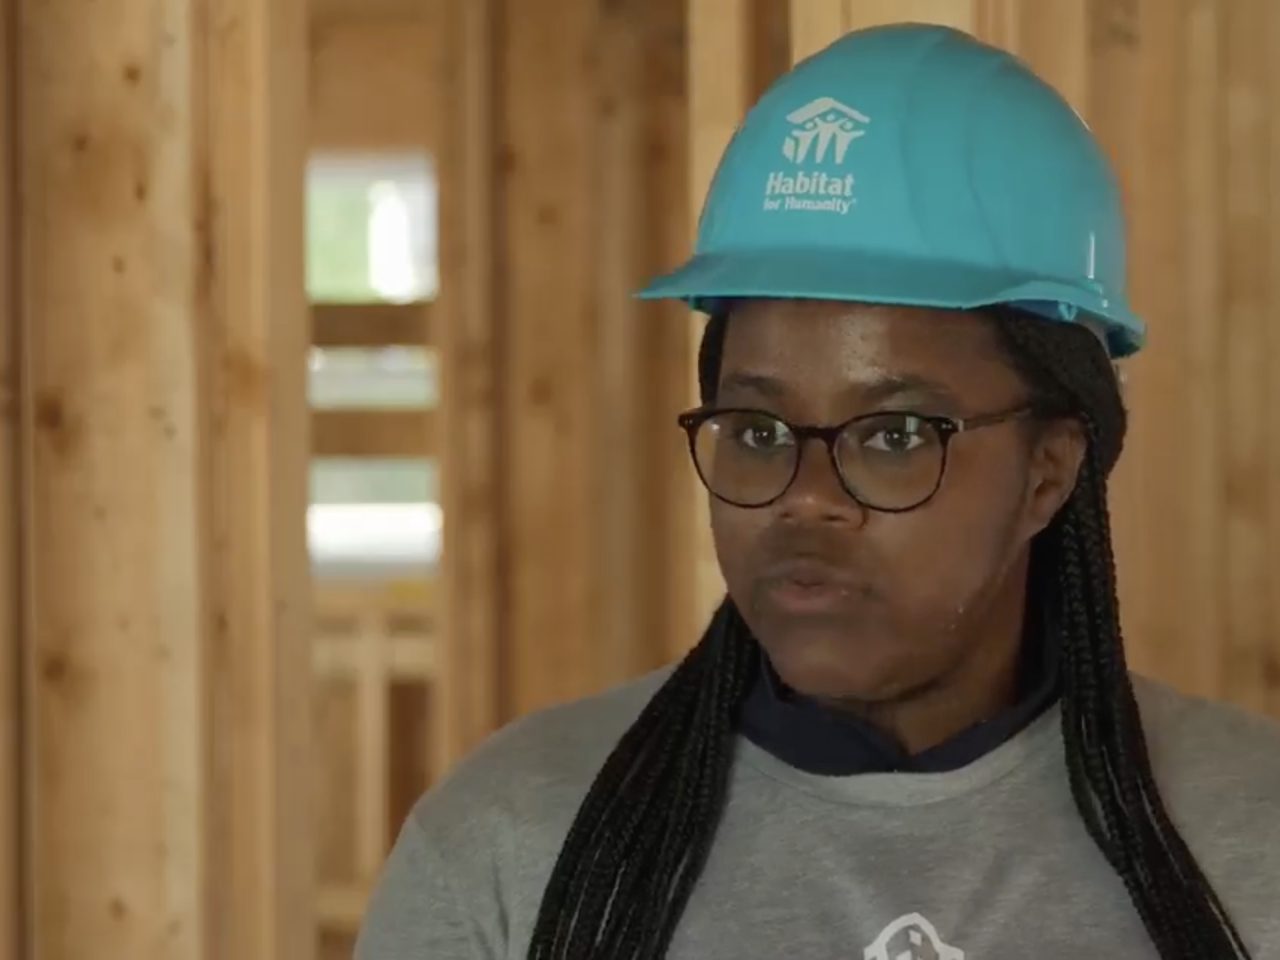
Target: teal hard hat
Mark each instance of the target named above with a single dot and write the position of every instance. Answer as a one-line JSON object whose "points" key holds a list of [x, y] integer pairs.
{"points": [[912, 164]]}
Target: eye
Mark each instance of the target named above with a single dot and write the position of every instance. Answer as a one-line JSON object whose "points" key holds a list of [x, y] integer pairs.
{"points": [[764, 434], [755, 431], [896, 434]]}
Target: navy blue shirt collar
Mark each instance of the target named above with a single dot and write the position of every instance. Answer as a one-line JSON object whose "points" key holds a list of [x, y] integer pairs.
{"points": [[826, 741]]}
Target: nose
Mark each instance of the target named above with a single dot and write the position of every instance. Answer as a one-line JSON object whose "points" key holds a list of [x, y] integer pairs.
{"points": [[817, 495]]}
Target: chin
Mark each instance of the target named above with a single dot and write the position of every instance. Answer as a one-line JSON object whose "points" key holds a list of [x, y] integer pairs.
{"points": [[830, 669]]}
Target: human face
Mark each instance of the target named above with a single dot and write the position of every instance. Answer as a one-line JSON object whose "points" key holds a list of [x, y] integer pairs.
{"points": [[863, 607]]}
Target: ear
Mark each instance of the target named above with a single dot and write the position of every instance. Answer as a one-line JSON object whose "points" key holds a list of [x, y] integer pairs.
{"points": [[1057, 454]]}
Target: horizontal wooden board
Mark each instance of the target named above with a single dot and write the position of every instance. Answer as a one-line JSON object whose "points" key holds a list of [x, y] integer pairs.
{"points": [[337, 325], [373, 433]]}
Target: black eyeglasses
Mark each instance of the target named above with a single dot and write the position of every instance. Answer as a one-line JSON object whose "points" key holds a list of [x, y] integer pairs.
{"points": [[891, 462]]}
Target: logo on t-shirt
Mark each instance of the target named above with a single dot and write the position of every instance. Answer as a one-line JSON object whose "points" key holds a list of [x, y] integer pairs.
{"points": [[911, 937]]}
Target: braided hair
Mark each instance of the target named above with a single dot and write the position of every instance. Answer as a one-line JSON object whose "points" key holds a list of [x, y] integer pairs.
{"points": [[644, 831]]}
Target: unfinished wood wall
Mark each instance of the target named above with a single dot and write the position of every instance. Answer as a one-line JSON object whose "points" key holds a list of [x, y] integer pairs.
{"points": [[563, 471], [583, 157], [1186, 97], [151, 235], [373, 92], [154, 433]]}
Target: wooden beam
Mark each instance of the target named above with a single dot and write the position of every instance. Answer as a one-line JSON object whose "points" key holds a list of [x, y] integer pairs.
{"points": [[1251, 658], [166, 437], [340, 909], [1055, 38], [373, 757], [115, 633], [371, 324], [729, 65], [549, 306], [999, 22], [720, 82], [671, 494], [626, 588], [12, 920], [372, 74], [400, 10], [374, 433], [472, 598], [260, 614], [345, 598], [407, 658], [814, 24], [860, 14]]}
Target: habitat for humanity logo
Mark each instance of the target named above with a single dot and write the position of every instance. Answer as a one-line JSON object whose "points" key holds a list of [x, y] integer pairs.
{"points": [[821, 133]]}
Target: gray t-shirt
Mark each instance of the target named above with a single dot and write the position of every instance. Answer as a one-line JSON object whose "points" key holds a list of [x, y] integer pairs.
{"points": [[989, 862]]}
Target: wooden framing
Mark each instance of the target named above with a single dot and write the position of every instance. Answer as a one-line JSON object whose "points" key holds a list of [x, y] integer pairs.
{"points": [[115, 628], [260, 617], [371, 638], [374, 433], [472, 612], [166, 435], [372, 324], [720, 72], [730, 62], [157, 636], [12, 915], [370, 61]]}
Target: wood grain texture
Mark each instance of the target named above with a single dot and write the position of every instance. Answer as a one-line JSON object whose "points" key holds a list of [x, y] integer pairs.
{"points": [[166, 439]]}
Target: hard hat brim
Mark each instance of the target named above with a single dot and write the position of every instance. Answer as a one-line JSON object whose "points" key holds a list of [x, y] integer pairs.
{"points": [[708, 278]]}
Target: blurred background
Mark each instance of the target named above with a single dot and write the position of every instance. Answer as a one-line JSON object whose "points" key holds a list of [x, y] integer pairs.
{"points": [[332, 438]]}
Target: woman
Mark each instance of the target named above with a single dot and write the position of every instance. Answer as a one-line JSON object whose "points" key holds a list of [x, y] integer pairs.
{"points": [[909, 731]]}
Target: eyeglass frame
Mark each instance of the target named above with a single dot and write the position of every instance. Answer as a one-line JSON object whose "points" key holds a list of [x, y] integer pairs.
{"points": [[691, 421]]}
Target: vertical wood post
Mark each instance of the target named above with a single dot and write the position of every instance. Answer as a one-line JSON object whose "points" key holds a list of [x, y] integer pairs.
{"points": [[166, 439]]}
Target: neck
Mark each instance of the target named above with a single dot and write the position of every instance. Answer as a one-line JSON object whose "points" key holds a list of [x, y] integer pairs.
{"points": [[980, 685], [926, 717]]}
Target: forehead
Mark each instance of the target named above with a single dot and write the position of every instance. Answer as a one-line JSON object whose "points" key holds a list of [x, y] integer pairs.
{"points": [[813, 345]]}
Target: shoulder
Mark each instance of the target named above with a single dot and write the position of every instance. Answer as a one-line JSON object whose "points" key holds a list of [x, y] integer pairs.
{"points": [[531, 775], [1209, 748], [470, 862], [1218, 771]]}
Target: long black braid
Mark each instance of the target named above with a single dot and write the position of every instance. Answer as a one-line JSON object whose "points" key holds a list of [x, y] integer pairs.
{"points": [[643, 832]]}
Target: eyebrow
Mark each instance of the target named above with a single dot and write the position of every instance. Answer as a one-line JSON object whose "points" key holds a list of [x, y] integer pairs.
{"points": [[880, 390]]}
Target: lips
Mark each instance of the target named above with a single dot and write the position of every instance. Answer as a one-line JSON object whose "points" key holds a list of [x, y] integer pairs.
{"points": [[808, 572], [807, 586]]}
